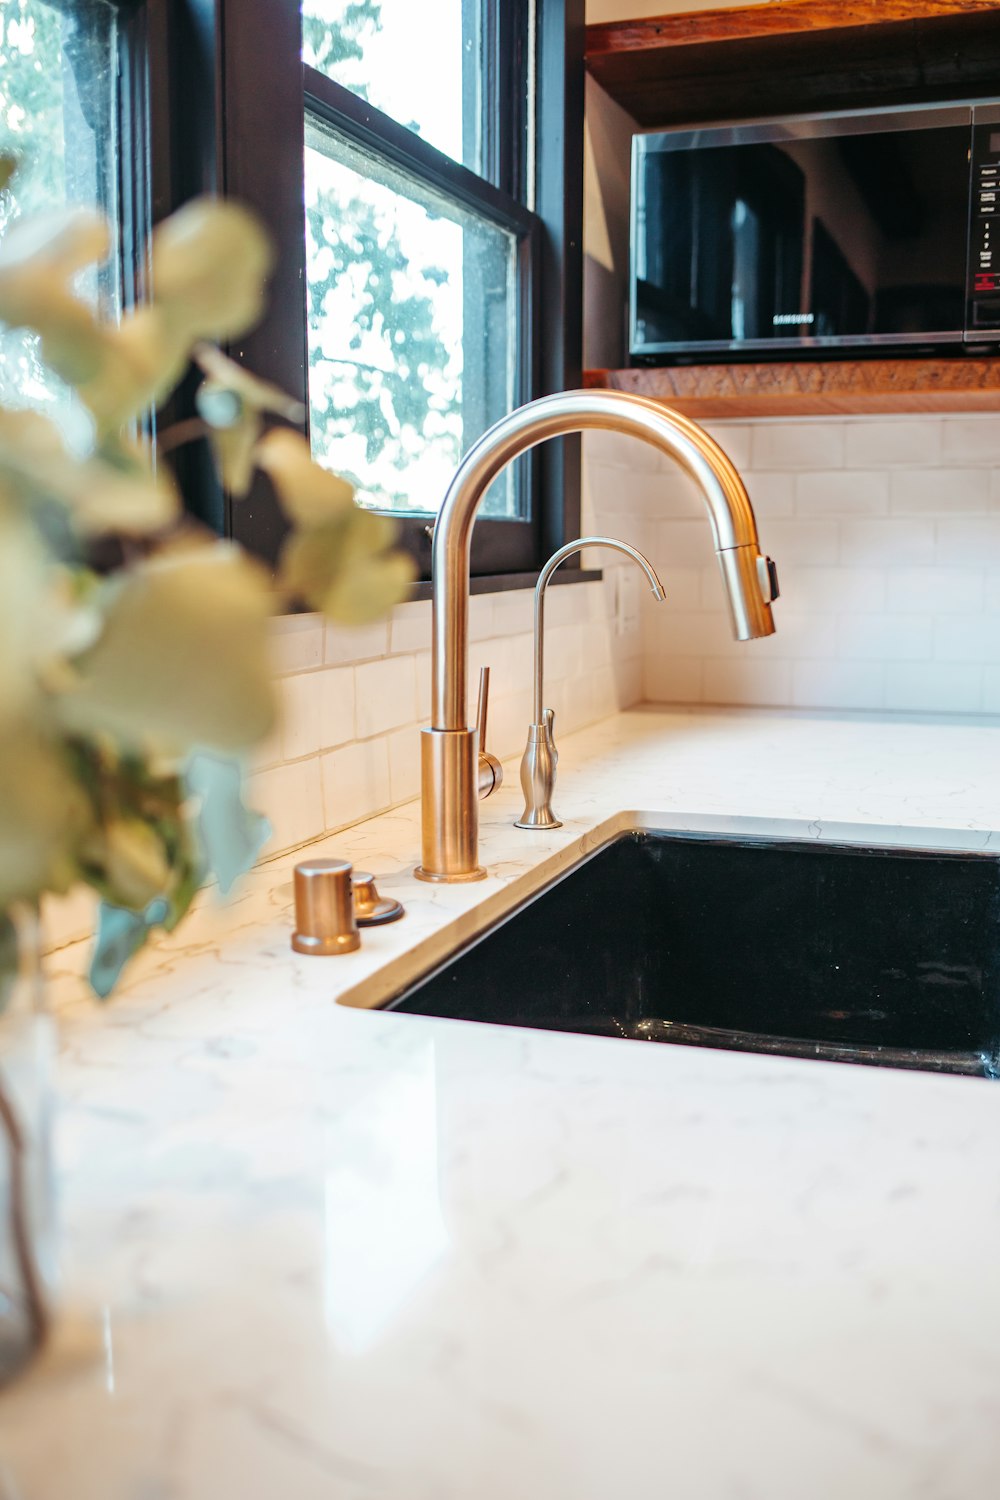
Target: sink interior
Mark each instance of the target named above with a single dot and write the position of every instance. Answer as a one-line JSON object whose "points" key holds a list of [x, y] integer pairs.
{"points": [[872, 955]]}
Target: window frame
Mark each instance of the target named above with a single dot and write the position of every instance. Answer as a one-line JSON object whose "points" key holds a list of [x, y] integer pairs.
{"points": [[499, 546], [262, 109]]}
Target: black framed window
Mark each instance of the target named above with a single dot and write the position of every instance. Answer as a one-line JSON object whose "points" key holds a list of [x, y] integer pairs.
{"points": [[422, 276], [438, 239]]}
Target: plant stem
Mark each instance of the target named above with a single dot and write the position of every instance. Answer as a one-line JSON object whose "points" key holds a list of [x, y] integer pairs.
{"points": [[180, 433], [38, 1313]]}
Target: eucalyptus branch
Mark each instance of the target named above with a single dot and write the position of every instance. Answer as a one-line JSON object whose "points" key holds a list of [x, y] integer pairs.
{"points": [[38, 1314], [180, 434]]}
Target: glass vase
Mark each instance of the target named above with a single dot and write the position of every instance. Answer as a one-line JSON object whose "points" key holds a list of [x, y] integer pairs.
{"points": [[27, 1231]]}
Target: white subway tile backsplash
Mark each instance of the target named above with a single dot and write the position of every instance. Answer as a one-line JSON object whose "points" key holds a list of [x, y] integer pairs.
{"points": [[884, 637], [481, 619], [617, 450], [939, 491], [806, 589], [336, 692], [743, 681], [872, 443], [959, 540], [967, 638], [345, 643], [772, 494], [938, 687], [404, 764], [356, 782], [300, 715], [410, 627], [682, 587], [899, 542], [971, 439], [683, 544], [423, 674], [841, 492], [628, 683], [386, 695], [568, 604], [884, 531], [800, 540], [798, 444], [838, 684], [805, 637], [672, 679], [291, 799], [296, 642], [936, 590], [707, 633], [734, 438], [512, 612]]}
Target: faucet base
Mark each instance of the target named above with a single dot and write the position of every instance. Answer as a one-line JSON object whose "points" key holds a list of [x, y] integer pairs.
{"points": [[449, 780], [435, 877], [538, 821]]}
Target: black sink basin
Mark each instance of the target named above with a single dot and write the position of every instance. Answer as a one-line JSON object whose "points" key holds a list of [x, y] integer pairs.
{"points": [[868, 955]]}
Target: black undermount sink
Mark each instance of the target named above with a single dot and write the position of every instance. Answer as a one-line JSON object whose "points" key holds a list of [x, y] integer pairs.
{"points": [[869, 955]]}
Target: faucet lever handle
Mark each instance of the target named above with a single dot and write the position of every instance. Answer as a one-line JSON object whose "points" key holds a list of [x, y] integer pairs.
{"points": [[490, 769], [549, 721], [482, 706]]}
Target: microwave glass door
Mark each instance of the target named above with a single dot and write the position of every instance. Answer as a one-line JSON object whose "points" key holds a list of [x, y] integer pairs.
{"points": [[811, 232]]}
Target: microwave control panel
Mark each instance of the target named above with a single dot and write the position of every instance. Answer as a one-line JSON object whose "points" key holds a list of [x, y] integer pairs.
{"points": [[983, 317]]}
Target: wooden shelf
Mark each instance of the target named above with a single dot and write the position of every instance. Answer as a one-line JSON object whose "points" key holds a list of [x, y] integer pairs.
{"points": [[796, 55], [814, 388]]}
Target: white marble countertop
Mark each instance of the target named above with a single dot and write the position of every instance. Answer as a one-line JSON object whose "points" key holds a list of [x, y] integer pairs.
{"points": [[333, 1253]]}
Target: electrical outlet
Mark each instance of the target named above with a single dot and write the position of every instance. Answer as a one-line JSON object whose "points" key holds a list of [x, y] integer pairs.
{"points": [[626, 602]]}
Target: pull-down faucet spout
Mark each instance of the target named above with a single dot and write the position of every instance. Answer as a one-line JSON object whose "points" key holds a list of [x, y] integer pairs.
{"points": [[449, 748]]}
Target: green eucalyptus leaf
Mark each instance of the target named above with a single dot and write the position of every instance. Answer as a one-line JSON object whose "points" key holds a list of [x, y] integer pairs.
{"points": [[210, 262], [40, 258], [231, 835], [43, 814], [218, 406], [8, 959], [232, 402], [120, 935], [140, 361], [233, 452], [224, 374], [132, 861], [114, 489], [182, 659], [310, 495], [345, 569]]}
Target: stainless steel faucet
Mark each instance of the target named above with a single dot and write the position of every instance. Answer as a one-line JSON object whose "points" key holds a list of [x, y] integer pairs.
{"points": [[540, 758], [450, 750]]}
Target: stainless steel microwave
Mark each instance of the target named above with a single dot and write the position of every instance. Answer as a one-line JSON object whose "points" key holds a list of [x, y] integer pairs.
{"points": [[854, 232]]}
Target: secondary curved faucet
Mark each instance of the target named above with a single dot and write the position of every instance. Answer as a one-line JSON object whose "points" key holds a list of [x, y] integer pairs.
{"points": [[540, 758], [449, 748]]}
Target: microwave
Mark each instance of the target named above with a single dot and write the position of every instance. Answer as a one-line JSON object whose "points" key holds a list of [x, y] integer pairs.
{"points": [[873, 232]]}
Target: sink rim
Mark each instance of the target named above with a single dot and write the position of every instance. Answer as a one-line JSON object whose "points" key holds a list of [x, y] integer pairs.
{"points": [[964, 845], [481, 908]]}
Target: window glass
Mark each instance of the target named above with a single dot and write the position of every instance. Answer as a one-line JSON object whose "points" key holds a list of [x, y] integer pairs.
{"points": [[419, 61], [57, 112], [412, 328]]}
